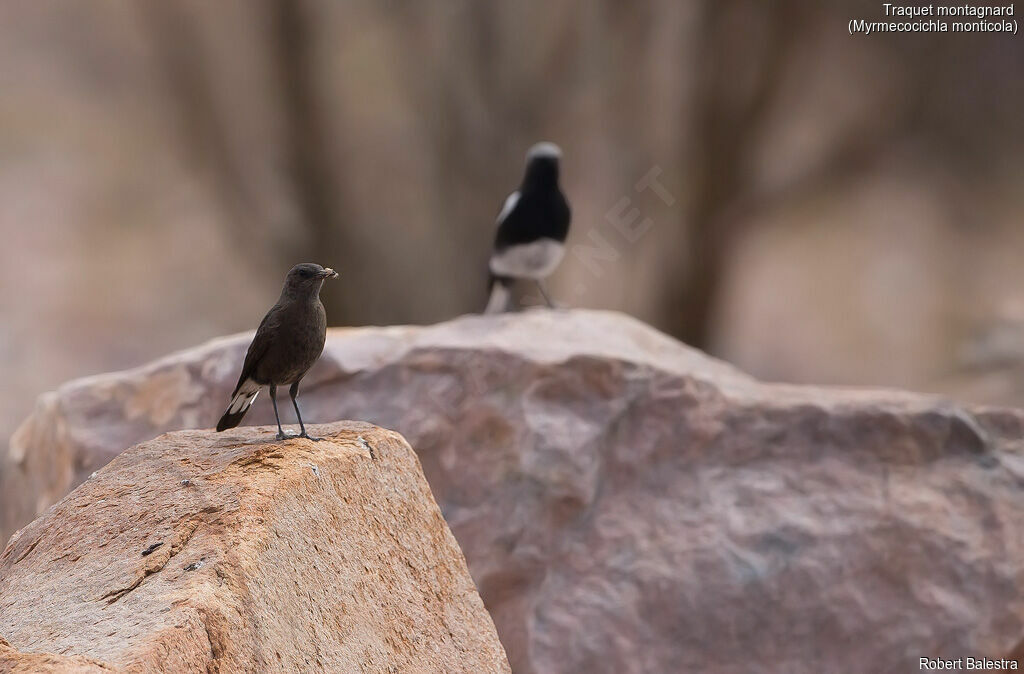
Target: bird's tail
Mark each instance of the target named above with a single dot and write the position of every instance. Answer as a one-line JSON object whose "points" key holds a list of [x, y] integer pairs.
{"points": [[244, 396], [501, 293]]}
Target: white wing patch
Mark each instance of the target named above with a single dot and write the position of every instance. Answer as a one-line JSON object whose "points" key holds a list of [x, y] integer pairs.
{"points": [[510, 203], [245, 397]]}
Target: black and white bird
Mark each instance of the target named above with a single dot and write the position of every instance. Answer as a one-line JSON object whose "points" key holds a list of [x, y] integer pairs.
{"points": [[289, 340], [532, 227]]}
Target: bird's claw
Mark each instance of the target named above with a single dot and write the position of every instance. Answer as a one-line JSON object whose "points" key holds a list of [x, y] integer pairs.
{"points": [[291, 436]]}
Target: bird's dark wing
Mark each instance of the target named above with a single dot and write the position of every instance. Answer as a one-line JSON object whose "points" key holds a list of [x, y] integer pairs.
{"points": [[531, 216], [563, 217], [260, 343]]}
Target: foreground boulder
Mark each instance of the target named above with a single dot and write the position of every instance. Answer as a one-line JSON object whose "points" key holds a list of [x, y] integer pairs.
{"points": [[627, 504], [197, 552]]}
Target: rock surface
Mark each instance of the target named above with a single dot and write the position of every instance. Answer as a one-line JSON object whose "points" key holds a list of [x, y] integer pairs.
{"points": [[627, 504], [199, 552], [14, 662]]}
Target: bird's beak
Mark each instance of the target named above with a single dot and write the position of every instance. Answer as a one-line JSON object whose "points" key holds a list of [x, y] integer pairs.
{"points": [[328, 273]]}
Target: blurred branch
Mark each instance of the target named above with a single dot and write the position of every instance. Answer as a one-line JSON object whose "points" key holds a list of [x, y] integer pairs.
{"points": [[727, 126], [726, 123], [463, 96], [318, 190], [205, 134], [180, 56], [853, 159]]}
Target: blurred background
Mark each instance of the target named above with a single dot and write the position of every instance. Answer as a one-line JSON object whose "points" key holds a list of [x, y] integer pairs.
{"points": [[747, 176]]}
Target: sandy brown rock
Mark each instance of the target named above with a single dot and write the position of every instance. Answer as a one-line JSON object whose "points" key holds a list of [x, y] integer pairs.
{"points": [[233, 552], [12, 661], [627, 504]]}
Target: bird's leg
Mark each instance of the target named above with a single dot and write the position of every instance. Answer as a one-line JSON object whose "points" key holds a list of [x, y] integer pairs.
{"points": [[540, 284], [293, 391], [273, 399]]}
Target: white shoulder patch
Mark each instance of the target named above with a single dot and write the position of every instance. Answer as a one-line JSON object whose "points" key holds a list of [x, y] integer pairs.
{"points": [[510, 203]]}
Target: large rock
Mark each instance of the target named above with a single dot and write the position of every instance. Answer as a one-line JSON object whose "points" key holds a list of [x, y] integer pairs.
{"points": [[197, 552], [627, 504]]}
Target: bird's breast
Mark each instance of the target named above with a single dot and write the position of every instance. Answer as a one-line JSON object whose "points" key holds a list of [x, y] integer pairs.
{"points": [[298, 343]]}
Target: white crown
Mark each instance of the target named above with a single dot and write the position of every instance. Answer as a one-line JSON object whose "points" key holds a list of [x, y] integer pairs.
{"points": [[544, 149]]}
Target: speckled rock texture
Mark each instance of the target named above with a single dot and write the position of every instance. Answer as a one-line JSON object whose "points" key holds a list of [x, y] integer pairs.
{"points": [[13, 661], [627, 504], [235, 552]]}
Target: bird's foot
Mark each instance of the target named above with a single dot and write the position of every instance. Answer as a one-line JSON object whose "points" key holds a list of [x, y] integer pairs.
{"points": [[308, 437], [281, 435]]}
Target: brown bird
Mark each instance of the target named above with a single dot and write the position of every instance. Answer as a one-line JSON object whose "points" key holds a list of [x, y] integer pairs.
{"points": [[289, 340]]}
